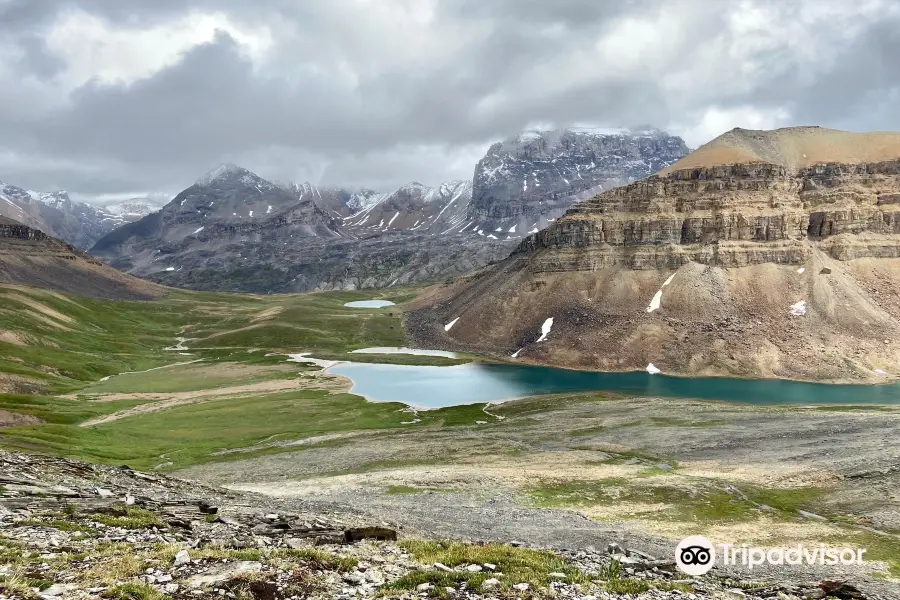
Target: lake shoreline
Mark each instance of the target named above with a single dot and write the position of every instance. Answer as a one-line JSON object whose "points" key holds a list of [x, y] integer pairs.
{"points": [[496, 383]]}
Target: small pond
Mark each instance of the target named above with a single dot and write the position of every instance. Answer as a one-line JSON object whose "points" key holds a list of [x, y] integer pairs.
{"points": [[369, 304]]}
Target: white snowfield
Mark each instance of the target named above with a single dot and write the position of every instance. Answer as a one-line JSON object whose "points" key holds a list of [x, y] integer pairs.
{"points": [[651, 368]]}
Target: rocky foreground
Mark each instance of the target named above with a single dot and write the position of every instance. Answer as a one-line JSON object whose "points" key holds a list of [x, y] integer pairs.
{"points": [[73, 530]]}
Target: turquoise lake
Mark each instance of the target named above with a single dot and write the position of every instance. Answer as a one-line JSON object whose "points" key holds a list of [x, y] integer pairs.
{"points": [[436, 387]]}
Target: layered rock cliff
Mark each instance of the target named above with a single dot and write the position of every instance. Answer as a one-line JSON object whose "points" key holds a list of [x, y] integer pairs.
{"points": [[786, 263], [731, 216]]}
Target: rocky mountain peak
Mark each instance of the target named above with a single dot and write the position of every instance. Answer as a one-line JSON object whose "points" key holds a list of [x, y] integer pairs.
{"points": [[792, 148], [538, 174], [224, 172]]}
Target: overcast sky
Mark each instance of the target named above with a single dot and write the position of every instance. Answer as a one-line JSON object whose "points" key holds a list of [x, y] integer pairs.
{"points": [[111, 98]]}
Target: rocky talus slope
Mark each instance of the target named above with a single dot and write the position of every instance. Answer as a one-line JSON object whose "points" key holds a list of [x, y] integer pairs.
{"points": [[30, 257], [70, 530], [782, 264]]}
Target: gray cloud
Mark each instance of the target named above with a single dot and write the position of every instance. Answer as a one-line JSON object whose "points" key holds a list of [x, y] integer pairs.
{"points": [[365, 93]]}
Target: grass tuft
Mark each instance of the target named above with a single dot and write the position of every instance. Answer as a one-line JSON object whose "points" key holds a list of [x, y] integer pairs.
{"points": [[133, 591], [134, 518], [519, 565]]}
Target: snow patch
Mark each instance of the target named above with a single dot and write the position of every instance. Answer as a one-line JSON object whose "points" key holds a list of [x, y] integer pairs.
{"points": [[492, 236], [799, 309], [516, 353], [512, 229], [268, 210], [651, 368], [545, 329], [654, 303], [657, 297], [450, 325], [199, 229], [396, 214], [535, 230], [801, 270], [880, 372], [170, 268]]}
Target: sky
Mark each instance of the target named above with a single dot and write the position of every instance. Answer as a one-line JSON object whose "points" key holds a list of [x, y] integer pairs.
{"points": [[114, 99]]}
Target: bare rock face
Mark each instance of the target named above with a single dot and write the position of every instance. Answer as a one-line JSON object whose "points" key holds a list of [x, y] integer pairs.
{"points": [[785, 264], [538, 175]]}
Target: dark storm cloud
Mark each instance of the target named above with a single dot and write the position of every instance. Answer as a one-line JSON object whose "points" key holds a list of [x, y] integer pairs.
{"points": [[351, 92]]}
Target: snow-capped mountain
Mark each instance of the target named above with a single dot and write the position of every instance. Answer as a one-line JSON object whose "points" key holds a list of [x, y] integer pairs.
{"points": [[55, 214], [532, 178], [77, 223], [234, 230], [412, 207]]}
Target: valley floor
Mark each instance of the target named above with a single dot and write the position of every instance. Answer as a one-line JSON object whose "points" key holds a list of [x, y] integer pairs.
{"points": [[225, 406], [640, 471]]}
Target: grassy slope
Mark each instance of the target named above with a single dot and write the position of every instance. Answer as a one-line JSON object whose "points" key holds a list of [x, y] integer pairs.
{"points": [[104, 338]]}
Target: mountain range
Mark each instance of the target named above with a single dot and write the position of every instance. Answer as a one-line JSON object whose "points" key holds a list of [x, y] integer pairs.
{"points": [[233, 230], [761, 254], [78, 223]]}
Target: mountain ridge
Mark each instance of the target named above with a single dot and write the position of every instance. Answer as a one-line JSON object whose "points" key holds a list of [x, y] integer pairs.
{"points": [[221, 233], [30, 257]]}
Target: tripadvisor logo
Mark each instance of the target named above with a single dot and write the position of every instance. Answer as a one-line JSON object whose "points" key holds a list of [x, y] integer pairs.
{"points": [[696, 555]]}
